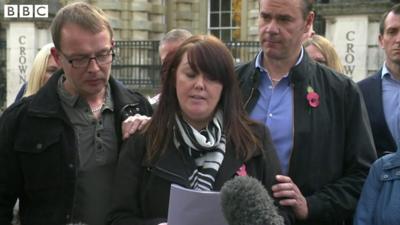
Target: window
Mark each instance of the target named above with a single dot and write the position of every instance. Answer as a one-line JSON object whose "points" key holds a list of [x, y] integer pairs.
{"points": [[224, 19]]}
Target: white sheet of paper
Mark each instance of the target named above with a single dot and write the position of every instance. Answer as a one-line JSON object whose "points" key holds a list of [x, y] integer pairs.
{"points": [[193, 207]]}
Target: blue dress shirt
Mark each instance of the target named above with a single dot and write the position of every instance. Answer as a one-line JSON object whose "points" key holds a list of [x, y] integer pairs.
{"points": [[274, 108], [391, 103]]}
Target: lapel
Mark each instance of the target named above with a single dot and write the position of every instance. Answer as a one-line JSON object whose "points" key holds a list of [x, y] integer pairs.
{"points": [[374, 102], [46, 101], [300, 77], [375, 98], [228, 169], [174, 166]]}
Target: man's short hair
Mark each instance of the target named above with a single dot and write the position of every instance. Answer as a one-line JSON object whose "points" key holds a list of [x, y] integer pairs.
{"points": [[82, 14], [395, 9], [307, 7], [175, 35]]}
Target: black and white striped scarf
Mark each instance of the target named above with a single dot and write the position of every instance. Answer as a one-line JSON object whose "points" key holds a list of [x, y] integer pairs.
{"points": [[206, 147]]}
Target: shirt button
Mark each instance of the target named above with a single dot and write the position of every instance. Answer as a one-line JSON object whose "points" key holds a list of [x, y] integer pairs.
{"points": [[71, 166], [270, 86], [39, 146], [68, 216], [270, 115], [385, 176]]}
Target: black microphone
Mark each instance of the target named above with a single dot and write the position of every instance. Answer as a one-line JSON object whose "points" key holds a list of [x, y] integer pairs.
{"points": [[245, 201]]}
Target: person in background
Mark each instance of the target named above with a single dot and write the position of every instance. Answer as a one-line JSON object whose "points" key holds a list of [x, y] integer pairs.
{"points": [[380, 198], [321, 50], [43, 67], [169, 43], [317, 118], [381, 90], [199, 137], [59, 147]]}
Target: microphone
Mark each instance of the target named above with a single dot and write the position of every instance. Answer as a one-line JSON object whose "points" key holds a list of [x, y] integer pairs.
{"points": [[245, 201]]}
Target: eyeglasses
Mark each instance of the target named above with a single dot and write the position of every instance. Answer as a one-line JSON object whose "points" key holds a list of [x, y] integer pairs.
{"points": [[83, 62]]}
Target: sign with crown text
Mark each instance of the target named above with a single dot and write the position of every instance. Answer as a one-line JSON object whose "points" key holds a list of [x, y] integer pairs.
{"points": [[351, 43]]}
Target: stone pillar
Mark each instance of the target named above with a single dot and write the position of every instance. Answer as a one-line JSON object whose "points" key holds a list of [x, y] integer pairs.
{"points": [[21, 50], [352, 26], [350, 37], [24, 39], [252, 20]]}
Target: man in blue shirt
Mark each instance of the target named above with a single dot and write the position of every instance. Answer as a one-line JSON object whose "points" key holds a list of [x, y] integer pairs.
{"points": [[382, 90], [317, 118]]}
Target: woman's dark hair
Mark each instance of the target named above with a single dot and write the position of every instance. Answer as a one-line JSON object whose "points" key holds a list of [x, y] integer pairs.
{"points": [[208, 55]]}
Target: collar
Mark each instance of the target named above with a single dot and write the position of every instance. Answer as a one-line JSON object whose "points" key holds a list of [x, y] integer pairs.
{"points": [[303, 70], [391, 161], [76, 101], [47, 101], [68, 99], [300, 63], [260, 56], [385, 71]]}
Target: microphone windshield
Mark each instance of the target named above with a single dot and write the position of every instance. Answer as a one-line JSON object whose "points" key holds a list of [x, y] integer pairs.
{"points": [[245, 201]]}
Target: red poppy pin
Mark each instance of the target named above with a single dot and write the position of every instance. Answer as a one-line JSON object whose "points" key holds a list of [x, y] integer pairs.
{"points": [[242, 171], [312, 97]]}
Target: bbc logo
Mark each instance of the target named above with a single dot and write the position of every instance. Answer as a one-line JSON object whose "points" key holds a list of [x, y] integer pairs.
{"points": [[26, 11]]}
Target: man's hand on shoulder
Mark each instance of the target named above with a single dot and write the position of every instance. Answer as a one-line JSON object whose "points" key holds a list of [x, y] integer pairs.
{"points": [[133, 124]]}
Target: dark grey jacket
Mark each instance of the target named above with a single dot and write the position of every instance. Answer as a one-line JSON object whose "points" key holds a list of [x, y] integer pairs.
{"points": [[38, 153], [371, 87], [141, 193], [333, 147]]}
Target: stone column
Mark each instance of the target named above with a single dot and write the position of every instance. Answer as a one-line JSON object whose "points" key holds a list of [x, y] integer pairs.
{"points": [[24, 39], [350, 37], [352, 26], [21, 50]]}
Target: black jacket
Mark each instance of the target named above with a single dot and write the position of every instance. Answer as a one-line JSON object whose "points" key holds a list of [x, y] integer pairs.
{"points": [[371, 87], [141, 193], [333, 147], [38, 153]]}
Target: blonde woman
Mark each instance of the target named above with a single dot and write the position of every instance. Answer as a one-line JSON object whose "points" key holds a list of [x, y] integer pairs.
{"points": [[43, 67], [321, 50]]}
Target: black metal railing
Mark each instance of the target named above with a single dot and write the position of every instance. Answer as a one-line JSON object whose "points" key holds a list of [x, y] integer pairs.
{"points": [[137, 63]]}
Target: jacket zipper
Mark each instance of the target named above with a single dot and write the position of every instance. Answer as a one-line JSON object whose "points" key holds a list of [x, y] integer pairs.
{"points": [[248, 100], [171, 174]]}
